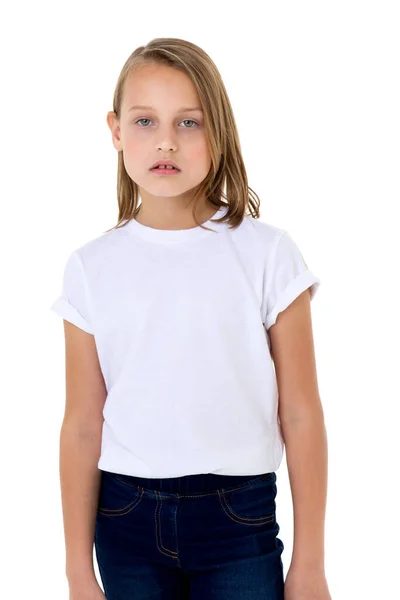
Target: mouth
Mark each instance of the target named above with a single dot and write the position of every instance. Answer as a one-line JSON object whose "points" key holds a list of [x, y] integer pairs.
{"points": [[165, 163], [165, 170]]}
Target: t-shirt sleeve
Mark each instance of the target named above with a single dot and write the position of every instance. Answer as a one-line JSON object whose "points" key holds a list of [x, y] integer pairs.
{"points": [[287, 277], [73, 303]]}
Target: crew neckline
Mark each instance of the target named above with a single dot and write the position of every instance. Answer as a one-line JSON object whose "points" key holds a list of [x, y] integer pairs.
{"points": [[175, 235]]}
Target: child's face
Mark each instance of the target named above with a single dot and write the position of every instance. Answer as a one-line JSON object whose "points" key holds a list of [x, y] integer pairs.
{"points": [[162, 132]]}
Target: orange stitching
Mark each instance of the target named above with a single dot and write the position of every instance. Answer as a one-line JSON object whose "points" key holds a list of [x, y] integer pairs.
{"points": [[242, 520], [158, 533], [118, 512]]}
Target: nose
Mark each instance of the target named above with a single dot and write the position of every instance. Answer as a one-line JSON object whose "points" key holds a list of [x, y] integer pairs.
{"points": [[167, 142], [166, 146]]}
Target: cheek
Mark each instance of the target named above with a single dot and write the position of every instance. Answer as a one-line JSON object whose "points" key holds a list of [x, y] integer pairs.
{"points": [[136, 137], [135, 141], [199, 152], [136, 150]]}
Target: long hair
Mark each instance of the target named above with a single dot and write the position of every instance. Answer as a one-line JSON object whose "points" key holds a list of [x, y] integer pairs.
{"points": [[227, 172]]}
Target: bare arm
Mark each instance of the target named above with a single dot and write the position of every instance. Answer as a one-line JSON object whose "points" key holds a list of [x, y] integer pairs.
{"points": [[80, 444], [303, 429]]}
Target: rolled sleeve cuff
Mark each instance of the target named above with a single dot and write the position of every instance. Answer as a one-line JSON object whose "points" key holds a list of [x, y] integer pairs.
{"points": [[68, 312], [302, 282]]}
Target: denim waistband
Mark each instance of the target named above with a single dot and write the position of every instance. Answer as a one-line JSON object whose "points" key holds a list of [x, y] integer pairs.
{"points": [[199, 482]]}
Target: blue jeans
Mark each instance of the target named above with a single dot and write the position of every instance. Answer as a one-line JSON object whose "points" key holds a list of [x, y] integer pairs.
{"points": [[198, 537]]}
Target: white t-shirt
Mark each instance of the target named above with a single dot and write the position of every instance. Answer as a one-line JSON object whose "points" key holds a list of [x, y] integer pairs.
{"points": [[180, 320]]}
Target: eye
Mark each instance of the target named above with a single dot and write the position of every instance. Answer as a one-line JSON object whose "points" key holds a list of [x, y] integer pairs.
{"points": [[184, 121], [142, 120], [189, 121]]}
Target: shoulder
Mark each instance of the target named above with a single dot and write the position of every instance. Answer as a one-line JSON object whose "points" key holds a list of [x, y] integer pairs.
{"points": [[99, 249], [264, 234], [263, 229]]}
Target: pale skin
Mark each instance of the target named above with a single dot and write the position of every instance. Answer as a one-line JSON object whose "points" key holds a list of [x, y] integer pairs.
{"points": [[163, 131], [303, 429], [168, 133]]}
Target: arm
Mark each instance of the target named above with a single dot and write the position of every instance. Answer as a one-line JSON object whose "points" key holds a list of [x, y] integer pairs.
{"points": [[303, 429], [80, 444]]}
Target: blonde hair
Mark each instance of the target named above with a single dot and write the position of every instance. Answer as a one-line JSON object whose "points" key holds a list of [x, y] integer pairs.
{"points": [[227, 168]]}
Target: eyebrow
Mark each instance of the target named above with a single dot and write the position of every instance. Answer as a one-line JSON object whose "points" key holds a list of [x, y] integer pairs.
{"points": [[182, 109]]}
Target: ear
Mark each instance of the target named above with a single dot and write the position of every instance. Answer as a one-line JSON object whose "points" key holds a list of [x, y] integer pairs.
{"points": [[113, 123]]}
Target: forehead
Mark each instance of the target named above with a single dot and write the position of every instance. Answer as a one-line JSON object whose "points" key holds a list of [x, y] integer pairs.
{"points": [[161, 88]]}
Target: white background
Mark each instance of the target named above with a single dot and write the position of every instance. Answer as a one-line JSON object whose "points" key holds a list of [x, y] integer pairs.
{"points": [[315, 92]]}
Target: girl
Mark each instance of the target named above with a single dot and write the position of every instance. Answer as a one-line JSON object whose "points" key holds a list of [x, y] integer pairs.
{"points": [[173, 432]]}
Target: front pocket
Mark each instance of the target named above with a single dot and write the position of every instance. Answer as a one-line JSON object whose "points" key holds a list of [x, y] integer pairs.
{"points": [[253, 504], [117, 497]]}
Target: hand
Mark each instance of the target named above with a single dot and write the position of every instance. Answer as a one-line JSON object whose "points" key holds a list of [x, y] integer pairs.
{"points": [[304, 584], [86, 591]]}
